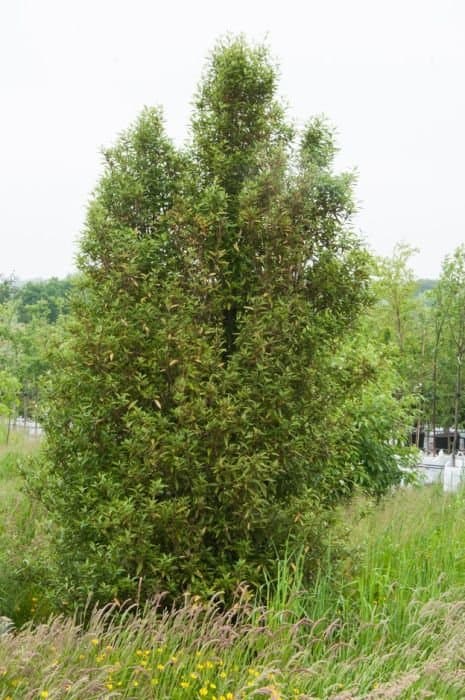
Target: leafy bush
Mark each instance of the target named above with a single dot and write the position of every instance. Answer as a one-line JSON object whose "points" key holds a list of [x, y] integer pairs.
{"points": [[196, 417]]}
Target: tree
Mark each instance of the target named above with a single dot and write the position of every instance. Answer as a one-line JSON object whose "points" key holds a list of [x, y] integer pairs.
{"points": [[195, 416], [401, 320], [448, 299], [46, 298], [9, 390]]}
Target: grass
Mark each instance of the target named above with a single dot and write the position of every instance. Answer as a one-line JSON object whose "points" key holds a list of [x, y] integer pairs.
{"points": [[387, 623]]}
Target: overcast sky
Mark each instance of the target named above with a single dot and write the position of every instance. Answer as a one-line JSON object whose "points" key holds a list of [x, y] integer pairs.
{"points": [[389, 74]]}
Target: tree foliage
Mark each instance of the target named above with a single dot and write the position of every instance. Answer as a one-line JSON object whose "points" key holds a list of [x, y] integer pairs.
{"points": [[448, 314], [196, 413]]}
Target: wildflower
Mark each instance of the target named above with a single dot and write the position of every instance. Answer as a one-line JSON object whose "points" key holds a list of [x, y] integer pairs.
{"points": [[160, 667], [209, 664], [222, 674], [203, 692], [94, 641], [44, 694], [185, 684]]}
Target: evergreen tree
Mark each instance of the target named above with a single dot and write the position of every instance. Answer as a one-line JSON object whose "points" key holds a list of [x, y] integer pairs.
{"points": [[195, 418]]}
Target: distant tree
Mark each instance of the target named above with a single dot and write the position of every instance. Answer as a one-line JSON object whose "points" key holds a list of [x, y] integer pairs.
{"points": [[7, 288], [195, 418], [9, 391], [425, 285], [449, 311], [401, 319], [47, 298]]}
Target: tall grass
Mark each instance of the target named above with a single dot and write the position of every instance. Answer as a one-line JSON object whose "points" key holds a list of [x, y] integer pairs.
{"points": [[385, 622]]}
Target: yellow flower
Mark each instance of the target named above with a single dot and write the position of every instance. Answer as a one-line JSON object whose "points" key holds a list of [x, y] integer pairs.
{"points": [[94, 641], [160, 667], [222, 674], [203, 692], [184, 684], [44, 694]]}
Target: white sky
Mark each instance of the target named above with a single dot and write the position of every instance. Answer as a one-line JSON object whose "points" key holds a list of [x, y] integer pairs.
{"points": [[389, 74]]}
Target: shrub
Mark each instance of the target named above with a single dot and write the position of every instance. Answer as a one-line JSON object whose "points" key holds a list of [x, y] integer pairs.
{"points": [[195, 418]]}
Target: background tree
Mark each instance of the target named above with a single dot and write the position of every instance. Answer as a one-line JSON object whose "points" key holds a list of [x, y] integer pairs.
{"points": [[26, 327], [195, 418], [401, 320], [46, 298], [449, 310]]}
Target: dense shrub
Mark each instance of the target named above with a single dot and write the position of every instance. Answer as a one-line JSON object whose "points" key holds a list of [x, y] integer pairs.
{"points": [[196, 416]]}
